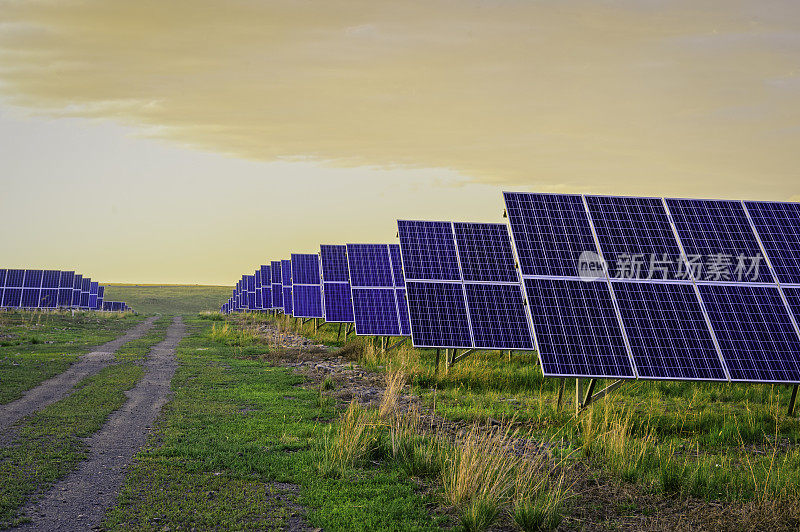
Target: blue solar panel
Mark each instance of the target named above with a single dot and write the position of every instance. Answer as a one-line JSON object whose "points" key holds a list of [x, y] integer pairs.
{"points": [[12, 297], [287, 300], [778, 226], [2, 278], [576, 328], [429, 250], [636, 238], [375, 311], [719, 236], [277, 287], [307, 301], [15, 278], [51, 278], [438, 314], [497, 316], [33, 279], [48, 298], [257, 276], [30, 297], [755, 332], [250, 283], [369, 265], [485, 252], [667, 331], [550, 232], [286, 273], [334, 263], [305, 268], [338, 305]]}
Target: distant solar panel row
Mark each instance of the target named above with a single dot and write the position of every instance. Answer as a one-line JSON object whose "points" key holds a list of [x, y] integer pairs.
{"points": [[49, 289], [660, 288]]}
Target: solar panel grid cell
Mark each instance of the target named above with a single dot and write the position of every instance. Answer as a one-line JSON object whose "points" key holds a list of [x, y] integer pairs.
{"points": [[334, 263], [15, 278], [778, 227], [497, 316], [338, 305], [719, 234], [550, 232], [636, 237], [375, 311], [485, 254], [305, 268], [33, 279], [756, 335], [667, 331], [429, 250], [576, 329], [369, 265], [438, 314]]}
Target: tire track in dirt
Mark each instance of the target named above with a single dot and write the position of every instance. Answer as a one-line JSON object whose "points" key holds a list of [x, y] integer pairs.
{"points": [[60, 386], [80, 500]]}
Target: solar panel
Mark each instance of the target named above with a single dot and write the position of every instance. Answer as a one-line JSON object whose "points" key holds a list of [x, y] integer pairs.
{"points": [[485, 252], [30, 297], [286, 282], [2, 285], [338, 306], [76, 291], [15, 278], [266, 286], [550, 231], [778, 226], [376, 310], [668, 332], [756, 334], [576, 328], [428, 249], [277, 286], [438, 314], [636, 238], [306, 286], [48, 298], [402, 308], [51, 278], [66, 281], [33, 279], [12, 297], [719, 237], [337, 299], [491, 307]]}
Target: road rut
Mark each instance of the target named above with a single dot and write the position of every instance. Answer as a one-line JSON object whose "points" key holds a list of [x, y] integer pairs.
{"points": [[80, 500], [60, 386]]}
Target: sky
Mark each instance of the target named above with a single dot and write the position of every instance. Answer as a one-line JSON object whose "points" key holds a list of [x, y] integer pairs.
{"points": [[191, 141]]}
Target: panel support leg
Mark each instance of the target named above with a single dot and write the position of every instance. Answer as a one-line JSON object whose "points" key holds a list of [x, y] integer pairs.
{"points": [[560, 393], [339, 333], [792, 400], [436, 364], [578, 395], [462, 355]]}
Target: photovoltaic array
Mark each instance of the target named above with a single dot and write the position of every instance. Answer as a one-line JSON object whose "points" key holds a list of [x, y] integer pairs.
{"points": [[660, 288], [377, 289], [463, 287], [51, 289]]}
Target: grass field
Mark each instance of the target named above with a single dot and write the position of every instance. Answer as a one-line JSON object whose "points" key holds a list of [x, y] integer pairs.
{"points": [[169, 299]]}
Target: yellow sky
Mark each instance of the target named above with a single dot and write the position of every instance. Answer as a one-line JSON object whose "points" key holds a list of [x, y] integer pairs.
{"points": [[217, 135]]}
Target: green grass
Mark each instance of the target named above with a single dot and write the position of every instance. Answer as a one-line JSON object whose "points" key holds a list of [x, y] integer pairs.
{"points": [[40, 345], [234, 428], [169, 299]]}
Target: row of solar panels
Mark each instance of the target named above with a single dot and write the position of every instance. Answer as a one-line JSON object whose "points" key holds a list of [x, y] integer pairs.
{"points": [[50, 289], [600, 286]]}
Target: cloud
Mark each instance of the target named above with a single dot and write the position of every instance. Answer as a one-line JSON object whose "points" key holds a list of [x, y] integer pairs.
{"points": [[630, 97]]}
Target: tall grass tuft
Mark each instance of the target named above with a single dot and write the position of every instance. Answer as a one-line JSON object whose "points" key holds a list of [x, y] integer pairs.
{"points": [[350, 442], [235, 336]]}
